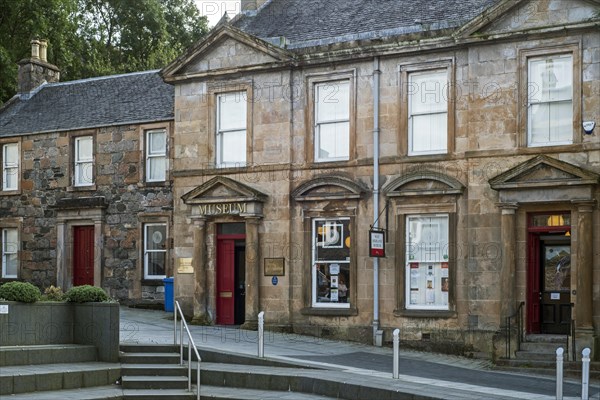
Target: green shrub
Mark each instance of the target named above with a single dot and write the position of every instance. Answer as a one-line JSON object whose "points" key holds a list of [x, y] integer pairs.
{"points": [[53, 293], [24, 292], [86, 294]]}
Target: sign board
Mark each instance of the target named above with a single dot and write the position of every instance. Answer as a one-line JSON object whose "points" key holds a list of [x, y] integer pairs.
{"points": [[3, 308], [184, 266], [377, 243], [274, 266], [274, 281], [554, 296]]}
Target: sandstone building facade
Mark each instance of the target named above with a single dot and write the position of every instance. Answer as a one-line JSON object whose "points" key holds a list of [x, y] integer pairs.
{"points": [[86, 189], [457, 125]]}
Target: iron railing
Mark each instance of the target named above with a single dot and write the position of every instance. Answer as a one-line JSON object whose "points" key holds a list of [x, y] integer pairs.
{"points": [[518, 315], [191, 345]]}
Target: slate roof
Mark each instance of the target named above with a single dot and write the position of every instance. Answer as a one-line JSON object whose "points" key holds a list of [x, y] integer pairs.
{"points": [[89, 103], [307, 23]]}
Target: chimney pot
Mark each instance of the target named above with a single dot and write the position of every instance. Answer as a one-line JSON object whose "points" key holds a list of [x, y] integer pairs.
{"points": [[35, 48], [43, 50]]}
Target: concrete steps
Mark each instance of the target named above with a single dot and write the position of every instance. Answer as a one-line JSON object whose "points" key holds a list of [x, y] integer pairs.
{"points": [[112, 392], [47, 354], [219, 392], [153, 371]]}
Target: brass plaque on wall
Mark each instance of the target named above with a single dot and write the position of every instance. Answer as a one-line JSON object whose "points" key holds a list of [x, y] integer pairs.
{"points": [[274, 266], [184, 266]]}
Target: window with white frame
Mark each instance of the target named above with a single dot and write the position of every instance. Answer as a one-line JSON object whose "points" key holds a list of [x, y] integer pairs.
{"points": [[231, 129], [332, 121], [156, 155], [84, 161], [155, 251], [10, 166], [428, 112], [331, 262], [10, 250], [427, 264], [550, 100]]}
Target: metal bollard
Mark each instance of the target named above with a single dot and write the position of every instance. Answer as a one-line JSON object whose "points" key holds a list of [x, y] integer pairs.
{"points": [[261, 334], [559, 373], [396, 373], [585, 373]]}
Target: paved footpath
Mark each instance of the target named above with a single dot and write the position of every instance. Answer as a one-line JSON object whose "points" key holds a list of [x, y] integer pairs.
{"points": [[432, 370]]}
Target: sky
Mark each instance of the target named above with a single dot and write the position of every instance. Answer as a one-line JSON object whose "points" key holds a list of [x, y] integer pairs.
{"points": [[214, 9]]}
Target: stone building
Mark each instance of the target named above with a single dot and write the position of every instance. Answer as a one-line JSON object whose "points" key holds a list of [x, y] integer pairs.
{"points": [[456, 126], [86, 192]]}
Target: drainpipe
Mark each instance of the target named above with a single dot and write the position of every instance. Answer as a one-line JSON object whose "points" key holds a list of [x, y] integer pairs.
{"points": [[377, 334]]}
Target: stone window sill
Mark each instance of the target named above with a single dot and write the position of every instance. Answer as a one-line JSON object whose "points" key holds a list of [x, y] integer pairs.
{"points": [[152, 282], [89, 188], [426, 313], [329, 312], [10, 192]]}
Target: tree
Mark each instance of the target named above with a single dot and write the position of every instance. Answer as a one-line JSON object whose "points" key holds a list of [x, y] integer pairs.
{"points": [[96, 37]]}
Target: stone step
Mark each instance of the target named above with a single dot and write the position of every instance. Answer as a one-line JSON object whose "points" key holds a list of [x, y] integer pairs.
{"points": [[168, 394], [570, 368], [154, 369], [542, 347], [217, 392], [543, 338], [149, 358], [45, 377], [46, 354], [530, 355], [149, 348], [154, 382], [112, 392]]}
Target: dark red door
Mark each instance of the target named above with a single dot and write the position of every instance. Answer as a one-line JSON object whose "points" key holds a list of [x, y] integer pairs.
{"points": [[225, 282], [533, 283], [83, 255]]}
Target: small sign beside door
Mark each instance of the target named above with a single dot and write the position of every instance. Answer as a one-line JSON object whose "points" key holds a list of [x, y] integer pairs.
{"points": [[3, 308], [554, 296], [274, 267]]}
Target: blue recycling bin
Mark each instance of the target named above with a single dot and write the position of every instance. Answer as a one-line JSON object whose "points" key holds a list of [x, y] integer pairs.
{"points": [[169, 303]]}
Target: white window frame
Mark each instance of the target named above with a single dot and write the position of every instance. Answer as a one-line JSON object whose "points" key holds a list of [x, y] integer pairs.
{"points": [[530, 103], [443, 257], [319, 121], [314, 282], [151, 155], [9, 251], [80, 162], [10, 169], [444, 95], [147, 251], [221, 162]]}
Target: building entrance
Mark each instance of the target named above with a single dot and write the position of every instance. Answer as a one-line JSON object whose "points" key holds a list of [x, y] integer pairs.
{"points": [[83, 255], [231, 274], [549, 274]]}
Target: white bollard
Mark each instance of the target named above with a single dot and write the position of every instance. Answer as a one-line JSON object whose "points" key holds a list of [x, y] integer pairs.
{"points": [[559, 373], [261, 334], [396, 373], [585, 374]]}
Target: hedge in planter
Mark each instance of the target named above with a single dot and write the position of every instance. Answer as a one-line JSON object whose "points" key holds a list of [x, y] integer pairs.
{"points": [[23, 292], [86, 294]]}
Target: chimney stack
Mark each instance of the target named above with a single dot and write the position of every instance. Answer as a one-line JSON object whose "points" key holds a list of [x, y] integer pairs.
{"points": [[36, 70]]}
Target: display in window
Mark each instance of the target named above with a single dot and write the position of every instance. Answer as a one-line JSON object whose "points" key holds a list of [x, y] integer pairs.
{"points": [[332, 288]]}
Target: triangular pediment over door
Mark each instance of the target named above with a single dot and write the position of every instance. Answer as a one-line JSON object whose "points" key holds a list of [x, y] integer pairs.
{"points": [[545, 179], [225, 196]]}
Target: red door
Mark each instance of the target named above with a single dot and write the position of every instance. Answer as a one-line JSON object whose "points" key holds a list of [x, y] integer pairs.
{"points": [[83, 255], [225, 282], [533, 283]]}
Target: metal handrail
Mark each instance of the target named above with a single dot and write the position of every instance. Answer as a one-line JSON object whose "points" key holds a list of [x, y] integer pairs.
{"points": [[519, 316], [191, 344]]}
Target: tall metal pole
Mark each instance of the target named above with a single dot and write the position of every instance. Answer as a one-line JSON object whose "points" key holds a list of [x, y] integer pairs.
{"points": [[376, 76]]}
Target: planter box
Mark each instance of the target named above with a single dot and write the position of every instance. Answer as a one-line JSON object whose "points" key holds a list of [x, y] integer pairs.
{"points": [[62, 323]]}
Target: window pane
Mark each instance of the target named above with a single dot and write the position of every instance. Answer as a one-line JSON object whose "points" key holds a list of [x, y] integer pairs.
{"points": [[157, 168], [334, 140], [332, 101], [561, 122], [158, 142], [233, 147], [156, 236], [429, 133], [231, 229], [84, 173], [428, 92], [155, 263], [232, 111], [84, 149], [333, 285], [427, 285], [427, 238], [11, 178], [539, 123], [550, 79], [10, 241], [11, 155]]}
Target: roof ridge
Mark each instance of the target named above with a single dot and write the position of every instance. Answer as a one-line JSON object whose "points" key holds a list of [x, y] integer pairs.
{"points": [[99, 78]]}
